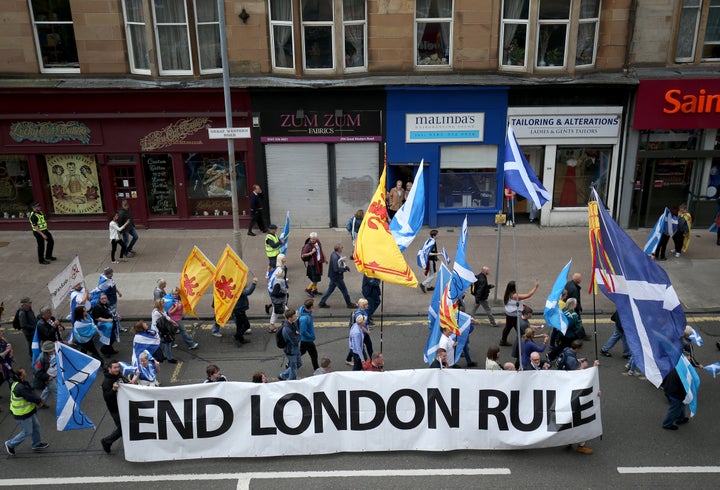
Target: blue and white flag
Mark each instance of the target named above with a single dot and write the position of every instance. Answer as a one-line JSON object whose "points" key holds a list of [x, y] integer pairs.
{"points": [[144, 341], [465, 326], [519, 175], [84, 330], [713, 369], [691, 382], [127, 370], [648, 306], [285, 234], [553, 314], [105, 332], [75, 375], [441, 281], [463, 276], [424, 253], [445, 256], [408, 220], [695, 337], [656, 233], [35, 347]]}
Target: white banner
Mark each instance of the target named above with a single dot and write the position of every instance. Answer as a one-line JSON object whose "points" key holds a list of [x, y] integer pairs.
{"points": [[64, 282], [428, 410]]}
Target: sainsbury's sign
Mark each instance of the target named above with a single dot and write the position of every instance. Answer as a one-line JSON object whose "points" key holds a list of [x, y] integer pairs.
{"points": [[677, 104]]}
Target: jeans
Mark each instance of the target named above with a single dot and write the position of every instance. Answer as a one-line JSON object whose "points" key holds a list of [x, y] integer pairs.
{"points": [[357, 362], [466, 352], [50, 389], [185, 336], [336, 283], [166, 348], [617, 335], [294, 363], [127, 233], [675, 413], [215, 329], [30, 425], [486, 309]]}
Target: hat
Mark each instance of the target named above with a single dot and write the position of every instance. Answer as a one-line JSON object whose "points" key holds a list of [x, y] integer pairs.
{"points": [[272, 227], [25, 300], [34, 204], [107, 270], [48, 346]]}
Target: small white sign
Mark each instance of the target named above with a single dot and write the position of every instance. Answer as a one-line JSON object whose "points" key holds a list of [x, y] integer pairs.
{"points": [[228, 133]]}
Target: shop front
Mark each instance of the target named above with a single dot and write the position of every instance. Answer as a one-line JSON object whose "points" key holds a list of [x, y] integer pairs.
{"points": [[678, 149], [571, 150], [322, 153], [459, 134], [81, 153]]}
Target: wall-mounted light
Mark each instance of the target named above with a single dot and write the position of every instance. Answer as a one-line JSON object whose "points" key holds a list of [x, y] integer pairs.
{"points": [[300, 114], [244, 16]]}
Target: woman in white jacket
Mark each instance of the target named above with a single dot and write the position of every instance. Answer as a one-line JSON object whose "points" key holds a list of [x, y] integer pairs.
{"points": [[116, 239]]}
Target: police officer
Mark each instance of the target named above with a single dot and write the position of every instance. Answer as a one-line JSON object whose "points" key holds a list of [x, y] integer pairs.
{"points": [[272, 248], [23, 405], [42, 234]]}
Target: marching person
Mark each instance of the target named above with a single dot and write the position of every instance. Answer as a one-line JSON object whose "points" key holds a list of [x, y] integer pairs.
{"points": [[272, 248], [39, 226], [28, 321], [110, 385], [24, 403], [336, 274]]}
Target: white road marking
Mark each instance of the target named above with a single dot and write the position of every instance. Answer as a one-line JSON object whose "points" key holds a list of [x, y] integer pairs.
{"points": [[638, 470], [244, 478]]}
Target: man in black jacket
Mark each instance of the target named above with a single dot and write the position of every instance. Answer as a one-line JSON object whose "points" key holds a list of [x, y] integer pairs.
{"points": [[28, 321], [113, 377], [242, 324], [256, 208], [482, 292]]}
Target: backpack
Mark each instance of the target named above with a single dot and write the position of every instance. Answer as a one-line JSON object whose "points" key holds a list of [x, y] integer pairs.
{"points": [[561, 361], [16, 320], [279, 338], [473, 287]]}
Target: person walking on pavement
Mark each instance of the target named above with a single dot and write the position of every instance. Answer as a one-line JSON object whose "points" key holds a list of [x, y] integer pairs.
{"points": [[39, 226], [256, 208], [28, 321], [481, 292], [336, 272], [127, 223], [110, 386], [115, 240], [24, 403], [272, 248], [314, 257]]}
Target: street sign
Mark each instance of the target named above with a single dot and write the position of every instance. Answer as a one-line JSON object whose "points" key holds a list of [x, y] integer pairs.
{"points": [[228, 133]]}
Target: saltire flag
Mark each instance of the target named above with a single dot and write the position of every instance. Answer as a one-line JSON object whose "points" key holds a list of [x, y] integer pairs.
{"points": [[656, 233], [695, 337], [445, 255], [462, 276], [126, 369], [84, 330], [148, 372], [713, 369], [648, 306], [441, 281], [408, 220], [197, 276], [519, 175], [423, 254], [35, 347], [229, 280], [105, 332], [144, 341], [691, 382], [376, 253], [285, 234], [75, 375], [553, 314]]}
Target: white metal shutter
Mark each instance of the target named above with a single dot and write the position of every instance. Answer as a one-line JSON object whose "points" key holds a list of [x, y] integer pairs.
{"points": [[357, 177], [298, 182]]}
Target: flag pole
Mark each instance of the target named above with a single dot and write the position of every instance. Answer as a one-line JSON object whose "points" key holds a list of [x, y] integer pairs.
{"points": [[592, 291], [517, 291], [382, 302]]}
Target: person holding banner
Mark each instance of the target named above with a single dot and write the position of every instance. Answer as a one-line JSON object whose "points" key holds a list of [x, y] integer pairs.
{"points": [[355, 341], [292, 346], [110, 386]]}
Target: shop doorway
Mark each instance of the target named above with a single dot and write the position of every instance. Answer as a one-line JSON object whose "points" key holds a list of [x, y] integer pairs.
{"points": [[535, 156], [125, 184], [659, 183]]}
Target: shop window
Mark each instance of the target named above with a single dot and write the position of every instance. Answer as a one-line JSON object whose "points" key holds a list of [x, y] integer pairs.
{"points": [[175, 41], [577, 169], [16, 191], [160, 184], [208, 183], [433, 32], [54, 36], [74, 184], [468, 177], [670, 139], [550, 23], [326, 42], [698, 32]]}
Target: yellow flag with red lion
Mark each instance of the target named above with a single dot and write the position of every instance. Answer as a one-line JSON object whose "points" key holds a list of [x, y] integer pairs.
{"points": [[230, 277], [197, 276]]}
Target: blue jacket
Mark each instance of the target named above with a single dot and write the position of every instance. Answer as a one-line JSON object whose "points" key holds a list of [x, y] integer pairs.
{"points": [[335, 271], [307, 325], [243, 304], [292, 339]]}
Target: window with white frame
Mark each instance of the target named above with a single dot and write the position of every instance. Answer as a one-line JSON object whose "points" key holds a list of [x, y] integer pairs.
{"points": [[355, 34], [551, 24], [54, 36], [207, 27], [137, 43], [698, 35], [172, 37], [433, 32], [317, 32], [281, 34]]}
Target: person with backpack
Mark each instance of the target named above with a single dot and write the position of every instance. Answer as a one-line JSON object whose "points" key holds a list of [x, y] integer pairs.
{"points": [[278, 290], [353, 226], [575, 330], [25, 321], [313, 256], [307, 332], [480, 289], [291, 337]]}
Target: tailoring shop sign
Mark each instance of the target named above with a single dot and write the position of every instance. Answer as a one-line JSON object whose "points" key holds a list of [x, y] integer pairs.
{"points": [[427, 410]]}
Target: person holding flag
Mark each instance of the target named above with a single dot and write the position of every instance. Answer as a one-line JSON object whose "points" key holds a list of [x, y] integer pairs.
{"points": [[272, 248], [427, 259], [24, 403]]}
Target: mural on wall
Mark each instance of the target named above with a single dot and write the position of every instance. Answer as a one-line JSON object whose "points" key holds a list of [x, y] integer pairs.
{"points": [[74, 184], [208, 177]]}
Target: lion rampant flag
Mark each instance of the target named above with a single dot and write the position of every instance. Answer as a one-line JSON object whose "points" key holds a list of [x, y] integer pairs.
{"points": [[376, 253], [230, 277], [197, 276], [448, 311]]}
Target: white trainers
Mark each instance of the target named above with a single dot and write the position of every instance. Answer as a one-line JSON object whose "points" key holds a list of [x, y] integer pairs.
{"points": [[193, 346], [216, 334], [677, 254]]}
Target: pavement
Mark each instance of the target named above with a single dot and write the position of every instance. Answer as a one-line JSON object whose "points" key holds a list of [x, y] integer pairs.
{"points": [[524, 253]]}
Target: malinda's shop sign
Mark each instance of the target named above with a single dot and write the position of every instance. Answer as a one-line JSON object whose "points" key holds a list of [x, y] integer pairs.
{"points": [[678, 104]]}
